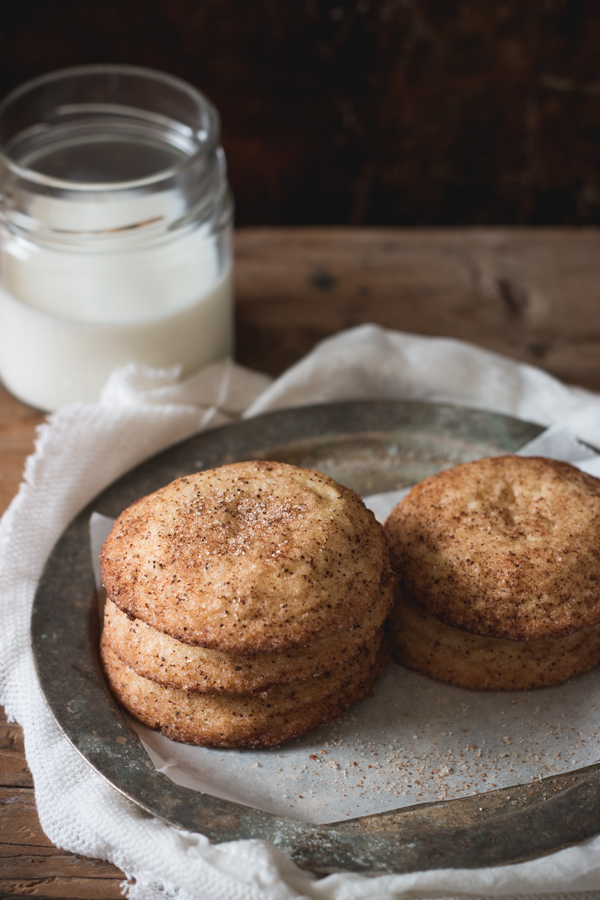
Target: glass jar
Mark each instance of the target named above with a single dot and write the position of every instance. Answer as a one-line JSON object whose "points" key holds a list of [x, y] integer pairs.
{"points": [[115, 231]]}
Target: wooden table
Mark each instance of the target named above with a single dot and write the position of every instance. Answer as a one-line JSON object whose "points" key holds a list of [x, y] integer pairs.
{"points": [[533, 295]]}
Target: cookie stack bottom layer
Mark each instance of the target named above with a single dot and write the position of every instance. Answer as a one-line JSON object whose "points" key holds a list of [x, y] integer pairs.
{"points": [[246, 719], [429, 646]]}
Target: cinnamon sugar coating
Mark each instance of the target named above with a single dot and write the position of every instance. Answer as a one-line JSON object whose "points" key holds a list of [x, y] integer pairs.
{"points": [[252, 556]]}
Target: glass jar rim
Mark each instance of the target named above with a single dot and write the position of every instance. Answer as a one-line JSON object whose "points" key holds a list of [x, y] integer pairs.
{"points": [[206, 140]]}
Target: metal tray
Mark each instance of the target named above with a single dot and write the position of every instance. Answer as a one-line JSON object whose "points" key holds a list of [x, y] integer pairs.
{"points": [[372, 447]]}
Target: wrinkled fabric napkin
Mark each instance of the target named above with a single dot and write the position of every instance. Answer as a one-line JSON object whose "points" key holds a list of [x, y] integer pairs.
{"points": [[84, 447]]}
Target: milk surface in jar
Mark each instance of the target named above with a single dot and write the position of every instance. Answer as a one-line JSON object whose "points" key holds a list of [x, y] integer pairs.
{"points": [[116, 225]]}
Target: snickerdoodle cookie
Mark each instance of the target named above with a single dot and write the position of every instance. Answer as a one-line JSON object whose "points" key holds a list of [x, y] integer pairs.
{"points": [[505, 548], [246, 604]]}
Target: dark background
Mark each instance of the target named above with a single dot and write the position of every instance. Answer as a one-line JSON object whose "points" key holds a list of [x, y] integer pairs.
{"points": [[364, 112]]}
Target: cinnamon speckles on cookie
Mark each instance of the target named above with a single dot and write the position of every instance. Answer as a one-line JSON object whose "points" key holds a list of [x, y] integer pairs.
{"points": [[507, 547], [172, 662], [255, 555]]}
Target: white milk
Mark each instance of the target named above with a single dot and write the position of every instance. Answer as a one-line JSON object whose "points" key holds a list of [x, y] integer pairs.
{"points": [[66, 323], [115, 237]]}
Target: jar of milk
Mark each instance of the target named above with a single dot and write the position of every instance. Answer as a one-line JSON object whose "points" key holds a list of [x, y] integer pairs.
{"points": [[115, 231]]}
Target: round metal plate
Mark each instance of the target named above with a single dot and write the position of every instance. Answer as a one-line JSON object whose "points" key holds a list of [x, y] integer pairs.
{"points": [[372, 447]]}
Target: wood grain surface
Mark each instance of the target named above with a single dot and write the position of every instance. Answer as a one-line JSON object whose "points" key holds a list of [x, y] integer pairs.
{"points": [[531, 294]]}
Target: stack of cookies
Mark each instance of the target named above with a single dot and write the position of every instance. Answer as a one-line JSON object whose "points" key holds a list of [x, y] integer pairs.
{"points": [[499, 574], [245, 604]]}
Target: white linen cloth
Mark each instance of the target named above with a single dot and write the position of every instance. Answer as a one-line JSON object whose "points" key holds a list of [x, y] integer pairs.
{"points": [[83, 447]]}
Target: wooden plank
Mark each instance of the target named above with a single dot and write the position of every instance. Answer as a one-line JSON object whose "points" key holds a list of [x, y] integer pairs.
{"points": [[19, 823], [20, 861], [30, 864], [532, 294], [61, 888], [17, 433], [13, 767]]}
